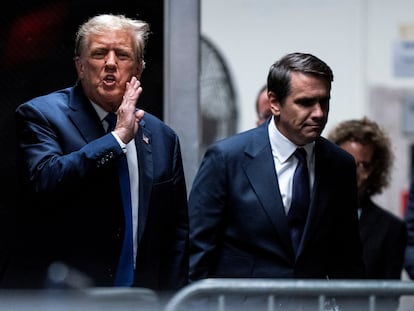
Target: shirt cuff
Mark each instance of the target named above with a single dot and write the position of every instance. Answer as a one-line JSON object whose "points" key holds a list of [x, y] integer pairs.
{"points": [[120, 142]]}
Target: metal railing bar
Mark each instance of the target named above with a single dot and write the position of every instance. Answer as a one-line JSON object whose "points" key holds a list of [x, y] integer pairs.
{"points": [[318, 288]]}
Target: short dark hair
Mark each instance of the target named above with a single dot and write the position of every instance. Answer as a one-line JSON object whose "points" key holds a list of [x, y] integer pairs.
{"points": [[278, 79]]}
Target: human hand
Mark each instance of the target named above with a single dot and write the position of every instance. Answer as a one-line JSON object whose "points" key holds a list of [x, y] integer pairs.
{"points": [[128, 116]]}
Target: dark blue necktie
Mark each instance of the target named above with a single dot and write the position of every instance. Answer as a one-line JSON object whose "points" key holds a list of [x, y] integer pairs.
{"points": [[125, 270], [300, 199]]}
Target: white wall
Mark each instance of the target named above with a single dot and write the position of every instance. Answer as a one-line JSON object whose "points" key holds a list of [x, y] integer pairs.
{"points": [[252, 34], [355, 37], [385, 19]]}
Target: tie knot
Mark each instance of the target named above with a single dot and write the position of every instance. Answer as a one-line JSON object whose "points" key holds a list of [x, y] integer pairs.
{"points": [[111, 120], [300, 154]]}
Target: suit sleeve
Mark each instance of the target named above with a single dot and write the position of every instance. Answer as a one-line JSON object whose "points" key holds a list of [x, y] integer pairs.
{"points": [[409, 219], [177, 270], [52, 154], [345, 258], [395, 243], [206, 208]]}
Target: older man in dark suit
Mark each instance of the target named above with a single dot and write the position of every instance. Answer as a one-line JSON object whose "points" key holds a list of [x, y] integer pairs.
{"points": [[75, 220]]}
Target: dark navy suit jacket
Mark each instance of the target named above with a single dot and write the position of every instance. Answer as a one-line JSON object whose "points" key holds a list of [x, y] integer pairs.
{"points": [[72, 212], [409, 220], [384, 238], [238, 226]]}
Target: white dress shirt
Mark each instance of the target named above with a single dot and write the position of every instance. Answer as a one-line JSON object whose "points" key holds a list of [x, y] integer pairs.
{"points": [[285, 162]]}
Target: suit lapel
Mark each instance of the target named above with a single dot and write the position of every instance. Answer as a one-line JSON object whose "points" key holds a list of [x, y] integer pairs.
{"points": [[259, 169], [320, 191], [368, 220], [82, 113], [143, 143]]}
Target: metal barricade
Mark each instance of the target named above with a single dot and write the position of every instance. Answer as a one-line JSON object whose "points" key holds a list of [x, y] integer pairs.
{"points": [[87, 299], [322, 290]]}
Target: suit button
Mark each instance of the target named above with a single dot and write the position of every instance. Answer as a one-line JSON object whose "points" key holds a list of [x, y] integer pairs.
{"points": [[118, 233], [110, 273]]}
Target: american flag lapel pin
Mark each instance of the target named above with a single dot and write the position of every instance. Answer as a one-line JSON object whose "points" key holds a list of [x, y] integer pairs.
{"points": [[145, 139]]}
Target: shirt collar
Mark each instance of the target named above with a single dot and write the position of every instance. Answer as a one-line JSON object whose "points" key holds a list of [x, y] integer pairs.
{"points": [[282, 147], [101, 113]]}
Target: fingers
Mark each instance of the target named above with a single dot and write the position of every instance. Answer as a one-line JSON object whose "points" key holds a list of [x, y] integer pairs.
{"points": [[132, 91], [128, 115], [139, 114]]}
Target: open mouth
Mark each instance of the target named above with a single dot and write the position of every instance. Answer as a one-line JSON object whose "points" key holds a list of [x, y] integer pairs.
{"points": [[109, 80]]}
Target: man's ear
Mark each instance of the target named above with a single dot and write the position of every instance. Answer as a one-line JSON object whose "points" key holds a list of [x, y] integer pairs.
{"points": [[140, 69], [274, 103], [79, 67]]}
